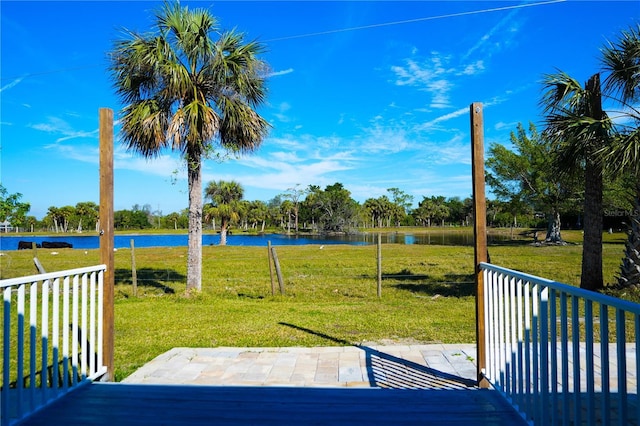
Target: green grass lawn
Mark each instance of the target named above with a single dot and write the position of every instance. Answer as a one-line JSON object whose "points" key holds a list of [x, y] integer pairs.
{"points": [[330, 293]]}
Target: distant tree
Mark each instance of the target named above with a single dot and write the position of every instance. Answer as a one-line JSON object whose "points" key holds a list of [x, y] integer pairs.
{"points": [[12, 209], [381, 210], [258, 213], [402, 201], [131, 219], [286, 211], [274, 211], [308, 212], [225, 197], [335, 209], [430, 209], [31, 222], [185, 90], [459, 211], [172, 219], [87, 211], [525, 179], [294, 194]]}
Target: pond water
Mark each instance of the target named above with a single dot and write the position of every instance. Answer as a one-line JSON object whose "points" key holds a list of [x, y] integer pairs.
{"points": [[8, 242]]}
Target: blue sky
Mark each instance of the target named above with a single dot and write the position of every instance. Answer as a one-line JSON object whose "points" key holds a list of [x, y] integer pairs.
{"points": [[371, 94]]}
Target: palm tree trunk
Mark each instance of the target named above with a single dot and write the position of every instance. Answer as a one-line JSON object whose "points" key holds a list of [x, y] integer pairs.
{"points": [[553, 228], [194, 255], [630, 267], [592, 278], [223, 233]]}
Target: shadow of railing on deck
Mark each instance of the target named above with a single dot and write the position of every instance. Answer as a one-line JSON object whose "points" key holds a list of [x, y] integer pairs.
{"points": [[388, 371]]}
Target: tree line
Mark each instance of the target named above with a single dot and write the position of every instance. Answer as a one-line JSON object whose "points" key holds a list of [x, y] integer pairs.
{"points": [[332, 209]]}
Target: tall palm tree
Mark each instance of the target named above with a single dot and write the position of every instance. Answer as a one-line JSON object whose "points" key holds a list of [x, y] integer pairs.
{"points": [[225, 197], [187, 91], [621, 59], [579, 128]]}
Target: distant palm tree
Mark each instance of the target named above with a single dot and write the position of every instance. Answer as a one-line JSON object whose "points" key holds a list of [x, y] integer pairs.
{"points": [[225, 197], [579, 128], [621, 60], [186, 91]]}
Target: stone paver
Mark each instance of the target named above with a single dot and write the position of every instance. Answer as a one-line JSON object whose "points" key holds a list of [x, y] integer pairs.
{"points": [[402, 366]]}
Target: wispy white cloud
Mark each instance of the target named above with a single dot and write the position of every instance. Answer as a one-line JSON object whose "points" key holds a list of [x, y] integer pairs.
{"points": [[473, 68], [55, 125], [501, 125], [11, 85], [431, 124], [283, 72], [436, 185], [83, 153], [436, 75], [455, 151], [281, 112], [488, 44], [165, 165], [384, 139], [275, 172]]}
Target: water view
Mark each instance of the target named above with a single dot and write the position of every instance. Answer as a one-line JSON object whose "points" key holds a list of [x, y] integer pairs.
{"points": [[175, 240]]}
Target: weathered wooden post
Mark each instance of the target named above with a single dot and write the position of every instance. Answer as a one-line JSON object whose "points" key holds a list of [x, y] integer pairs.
{"points": [[278, 270], [273, 284], [134, 271], [379, 258], [106, 237], [479, 232]]}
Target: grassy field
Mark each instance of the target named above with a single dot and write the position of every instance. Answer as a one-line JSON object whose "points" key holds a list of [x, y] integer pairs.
{"points": [[330, 293]]}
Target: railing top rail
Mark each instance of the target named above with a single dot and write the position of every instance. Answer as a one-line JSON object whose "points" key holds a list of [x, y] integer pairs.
{"points": [[50, 275], [571, 290]]}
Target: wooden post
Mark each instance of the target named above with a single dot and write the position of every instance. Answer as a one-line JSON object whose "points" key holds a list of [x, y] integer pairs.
{"points": [[278, 271], [134, 271], [106, 237], [379, 258], [479, 232], [273, 284]]}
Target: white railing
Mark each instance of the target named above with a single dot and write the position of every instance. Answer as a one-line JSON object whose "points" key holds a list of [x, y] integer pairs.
{"points": [[52, 337], [562, 355]]}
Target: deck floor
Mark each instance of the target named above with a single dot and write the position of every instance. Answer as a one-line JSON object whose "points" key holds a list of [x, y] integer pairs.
{"points": [[128, 404]]}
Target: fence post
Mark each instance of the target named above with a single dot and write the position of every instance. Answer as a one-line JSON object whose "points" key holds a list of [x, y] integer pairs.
{"points": [[278, 271], [106, 237], [273, 284], [134, 271], [479, 232], [379, 258]]}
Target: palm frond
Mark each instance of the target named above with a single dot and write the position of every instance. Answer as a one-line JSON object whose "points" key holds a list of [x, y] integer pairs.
{"points": [[144, 126], [622, 61], [560, 91], [624, 151], [242, 129]]}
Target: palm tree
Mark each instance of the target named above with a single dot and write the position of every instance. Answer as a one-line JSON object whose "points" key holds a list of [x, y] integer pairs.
{"points": [[579, 128], [621, 60], [225, 197], [185, 91]]}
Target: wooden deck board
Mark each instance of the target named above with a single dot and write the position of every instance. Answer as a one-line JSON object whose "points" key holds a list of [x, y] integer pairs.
{"points": [[109, 404]]}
